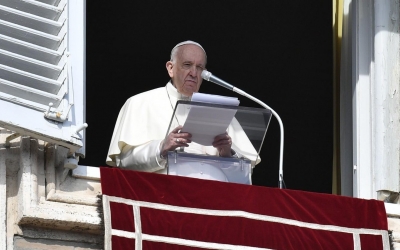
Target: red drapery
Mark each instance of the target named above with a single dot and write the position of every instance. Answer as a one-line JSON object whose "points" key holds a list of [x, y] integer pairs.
{"points": [[153, 211]]}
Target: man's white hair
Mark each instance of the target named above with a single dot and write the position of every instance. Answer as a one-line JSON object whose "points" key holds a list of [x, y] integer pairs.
{"points": [[175, 49]]}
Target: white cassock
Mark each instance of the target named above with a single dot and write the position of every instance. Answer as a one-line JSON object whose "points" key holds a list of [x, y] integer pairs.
{"points": [[143, 123]]}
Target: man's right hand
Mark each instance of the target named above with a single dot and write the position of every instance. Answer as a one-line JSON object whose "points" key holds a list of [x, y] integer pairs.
{"points": [[174, 140]]}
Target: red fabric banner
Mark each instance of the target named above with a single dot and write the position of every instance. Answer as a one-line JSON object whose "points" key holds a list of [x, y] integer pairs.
{"points": [[154, 211]]}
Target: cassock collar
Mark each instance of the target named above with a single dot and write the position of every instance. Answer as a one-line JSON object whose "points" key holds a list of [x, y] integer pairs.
{"points": [[173, 92]]}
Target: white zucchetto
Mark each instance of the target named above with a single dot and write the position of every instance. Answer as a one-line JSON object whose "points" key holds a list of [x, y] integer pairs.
{"points": [[187, 42]]}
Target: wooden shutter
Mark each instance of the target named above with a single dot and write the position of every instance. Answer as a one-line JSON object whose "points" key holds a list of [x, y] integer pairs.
{"points": [[42, 61]]}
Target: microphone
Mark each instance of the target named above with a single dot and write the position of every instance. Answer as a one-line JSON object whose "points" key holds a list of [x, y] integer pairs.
{"points": [[206, 75]]}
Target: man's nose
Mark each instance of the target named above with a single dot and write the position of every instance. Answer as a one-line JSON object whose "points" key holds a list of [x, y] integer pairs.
{"points": [[193, 71]]}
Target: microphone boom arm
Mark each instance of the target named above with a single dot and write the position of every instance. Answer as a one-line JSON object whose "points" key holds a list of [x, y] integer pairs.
{"points": [[206, 75], [241, 92]]}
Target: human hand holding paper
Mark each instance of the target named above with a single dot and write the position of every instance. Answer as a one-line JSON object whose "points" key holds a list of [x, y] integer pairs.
{"points": [[174, 140], [223, 144], [205, 123]]}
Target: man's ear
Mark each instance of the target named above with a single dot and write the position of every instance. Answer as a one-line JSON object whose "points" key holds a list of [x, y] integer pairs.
{"points": [[169, 65]]}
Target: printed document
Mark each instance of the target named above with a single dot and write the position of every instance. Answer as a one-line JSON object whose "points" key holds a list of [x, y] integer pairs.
{"points": [[204, 123]]}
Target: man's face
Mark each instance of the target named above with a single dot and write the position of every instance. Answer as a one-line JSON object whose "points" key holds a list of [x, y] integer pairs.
{"points": [[185, 70]]}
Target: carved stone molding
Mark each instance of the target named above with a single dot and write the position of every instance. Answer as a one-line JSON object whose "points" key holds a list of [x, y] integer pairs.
{"points": [[38, 194]]}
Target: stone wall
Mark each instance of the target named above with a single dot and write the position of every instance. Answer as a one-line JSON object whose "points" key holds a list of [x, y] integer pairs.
{"points": [[41, 204], [393, 213]]}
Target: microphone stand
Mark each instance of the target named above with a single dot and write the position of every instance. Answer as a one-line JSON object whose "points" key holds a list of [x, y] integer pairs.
{"points": [[206, 75]]}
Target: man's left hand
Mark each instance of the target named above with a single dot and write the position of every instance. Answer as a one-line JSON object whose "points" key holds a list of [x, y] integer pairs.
{"points": [[223, 143]]}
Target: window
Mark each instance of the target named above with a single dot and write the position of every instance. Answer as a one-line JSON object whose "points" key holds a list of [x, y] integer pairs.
{"points": [[42, 70]]}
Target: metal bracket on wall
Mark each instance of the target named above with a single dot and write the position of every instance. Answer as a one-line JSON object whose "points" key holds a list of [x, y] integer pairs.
{"points": [[10, 138]]}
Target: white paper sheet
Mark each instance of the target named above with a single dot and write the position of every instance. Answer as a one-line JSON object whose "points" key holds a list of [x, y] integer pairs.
{"points": [[216, 99], [204, 123]]}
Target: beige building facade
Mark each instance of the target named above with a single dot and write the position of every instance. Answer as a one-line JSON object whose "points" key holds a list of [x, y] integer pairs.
{"points": [[47, 201], [42, 204]]}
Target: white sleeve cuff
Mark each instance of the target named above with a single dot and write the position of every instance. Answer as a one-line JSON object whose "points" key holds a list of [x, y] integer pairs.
{"points": [[145, 157], [160, 161]]}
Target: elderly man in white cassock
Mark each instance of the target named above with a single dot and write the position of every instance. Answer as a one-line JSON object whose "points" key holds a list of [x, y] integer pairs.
{"points": [[138, 141]]}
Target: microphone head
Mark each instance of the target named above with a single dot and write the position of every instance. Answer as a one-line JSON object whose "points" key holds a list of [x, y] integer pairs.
{"points": [[206, 75]]}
